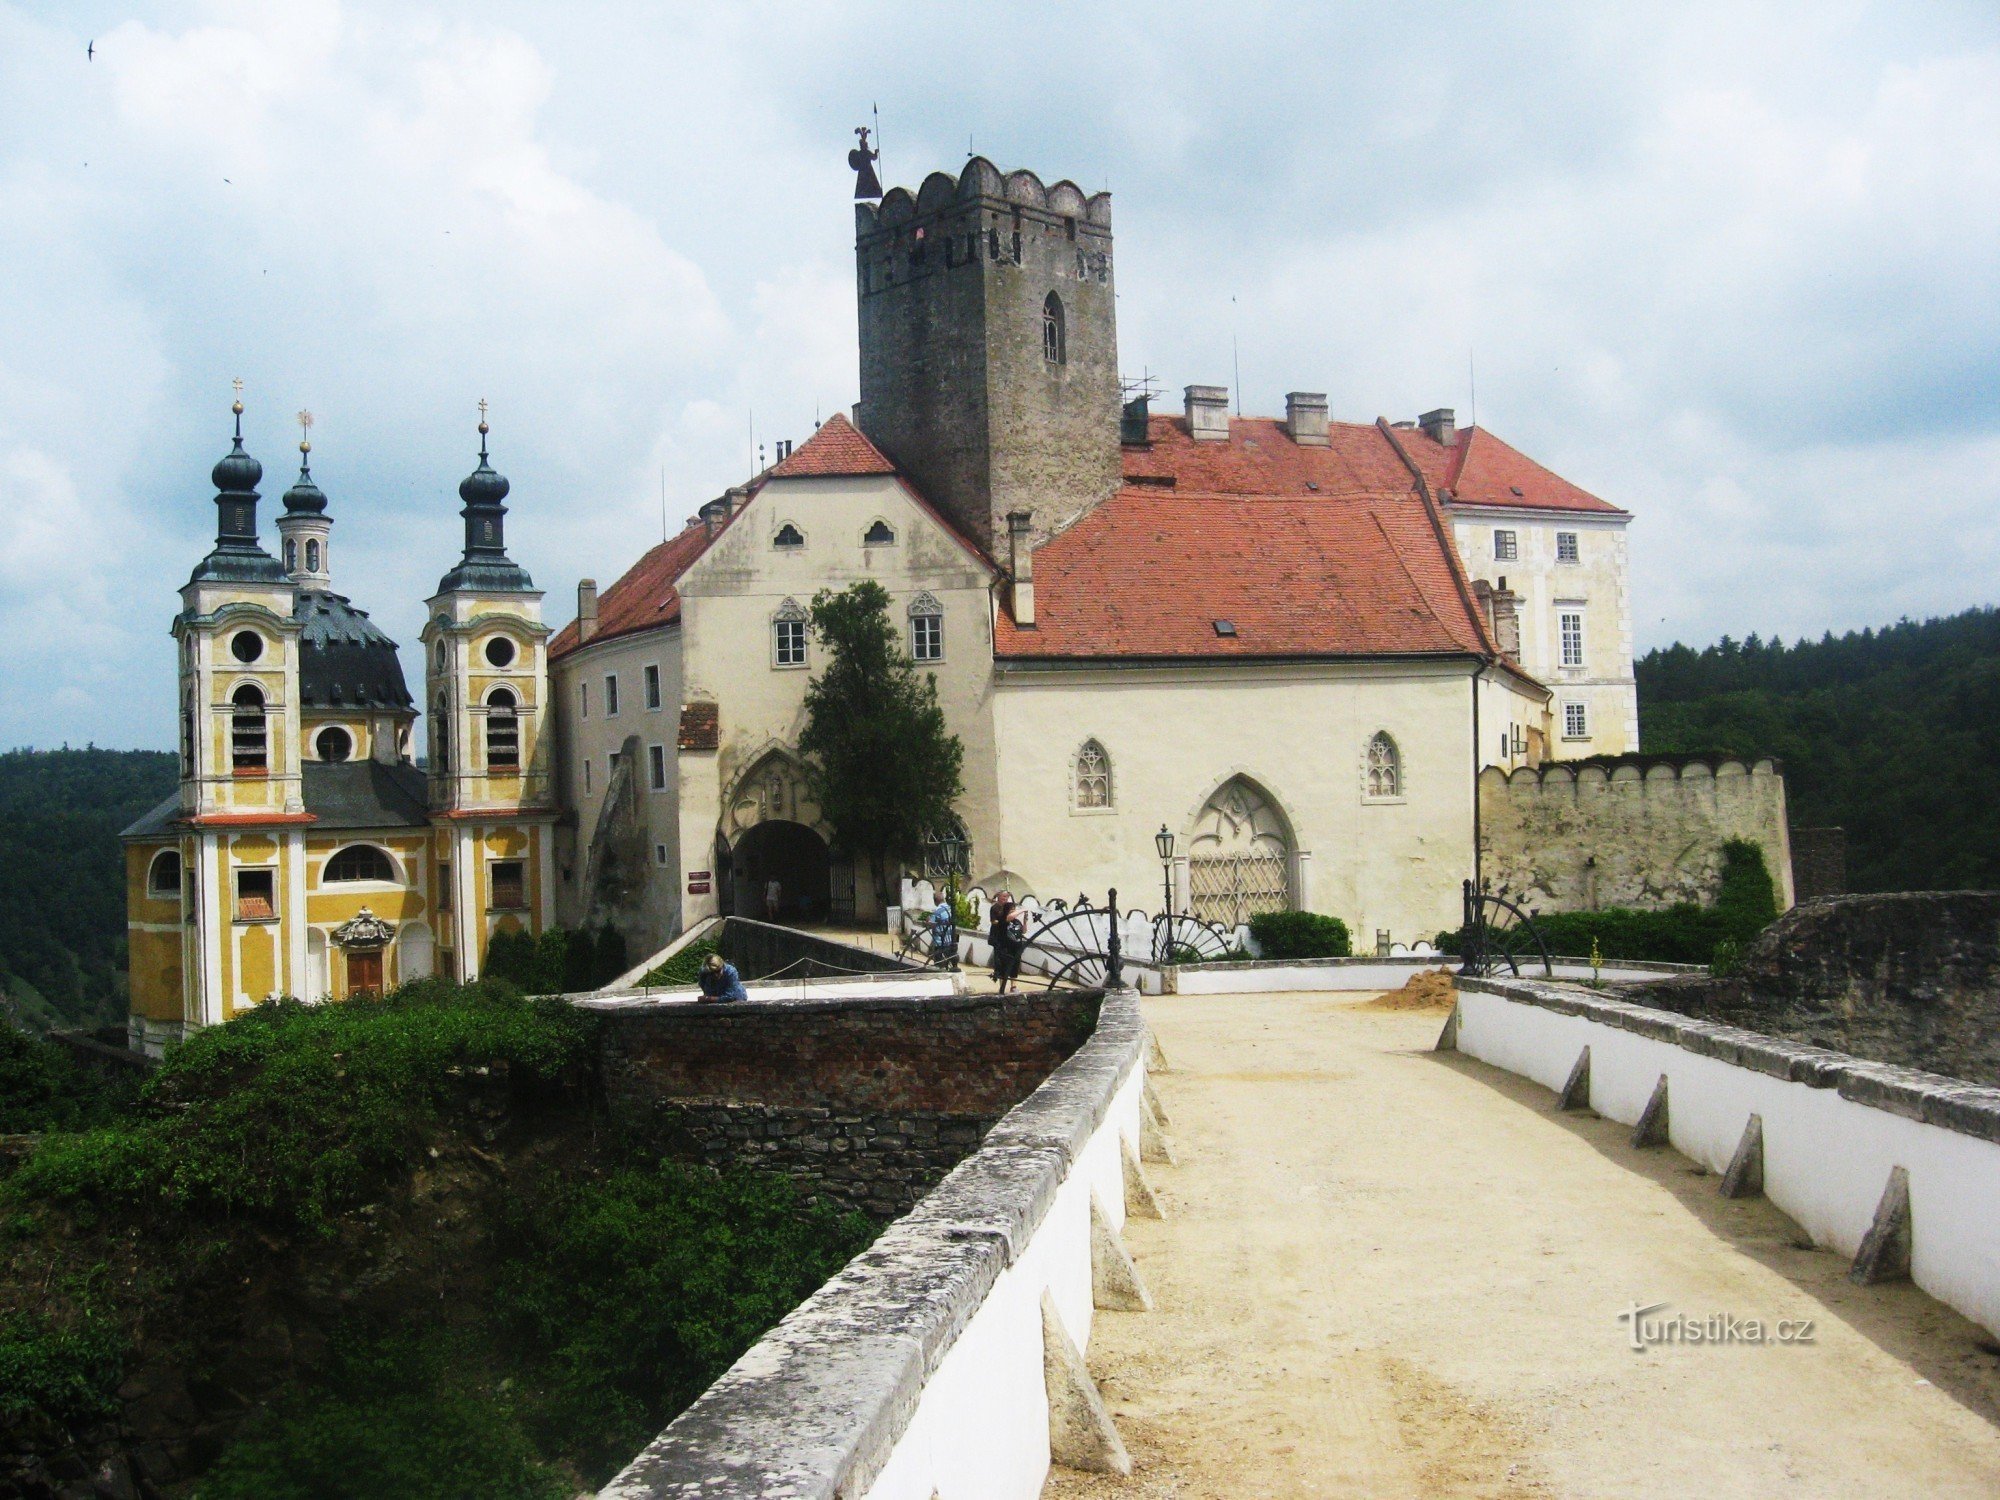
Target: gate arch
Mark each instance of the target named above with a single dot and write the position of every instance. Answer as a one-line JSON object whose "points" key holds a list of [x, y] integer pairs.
{"points": [[771, 832]]}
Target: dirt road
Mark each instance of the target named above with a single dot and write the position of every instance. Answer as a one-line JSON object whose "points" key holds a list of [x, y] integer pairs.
{"points": [[1390, 1272]]}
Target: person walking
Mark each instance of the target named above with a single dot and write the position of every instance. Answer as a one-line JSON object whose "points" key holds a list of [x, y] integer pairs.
{"points": [[1008, 937], [944, 932], [719, 980], [774, 899]]}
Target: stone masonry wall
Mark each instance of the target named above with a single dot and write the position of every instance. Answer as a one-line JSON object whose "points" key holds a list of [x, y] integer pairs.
{"points": [[876, 1162], [1911, 979], [1631, 830], [867, 1103]]}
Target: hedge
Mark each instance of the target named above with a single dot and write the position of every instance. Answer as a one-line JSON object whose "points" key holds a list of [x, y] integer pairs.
{"points": [[1300, 934]]}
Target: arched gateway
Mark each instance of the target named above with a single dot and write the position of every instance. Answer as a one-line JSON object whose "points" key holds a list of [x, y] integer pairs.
{"points": [[771, 833]]}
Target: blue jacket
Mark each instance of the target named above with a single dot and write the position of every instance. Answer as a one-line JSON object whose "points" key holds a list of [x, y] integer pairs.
{"points": [[722, 984]]}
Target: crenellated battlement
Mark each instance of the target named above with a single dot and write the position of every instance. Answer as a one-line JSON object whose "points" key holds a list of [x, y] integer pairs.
{"points": [[982, 185]]}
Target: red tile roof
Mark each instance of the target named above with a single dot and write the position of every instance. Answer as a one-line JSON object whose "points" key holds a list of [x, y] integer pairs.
{"points": [[644, 597], [837, 447], [1149, 572], [1260, 458], [1480, 469]]}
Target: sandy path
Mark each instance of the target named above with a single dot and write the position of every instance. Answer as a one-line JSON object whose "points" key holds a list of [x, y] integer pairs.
{"points": [[1388, 1272]]}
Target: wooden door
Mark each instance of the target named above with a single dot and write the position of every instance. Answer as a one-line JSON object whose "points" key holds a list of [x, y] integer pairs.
{"points": [[364, 973]]}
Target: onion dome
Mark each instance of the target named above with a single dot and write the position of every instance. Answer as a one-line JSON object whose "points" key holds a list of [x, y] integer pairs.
{"points": [[305, 498], [236, 556], [485, 567]]}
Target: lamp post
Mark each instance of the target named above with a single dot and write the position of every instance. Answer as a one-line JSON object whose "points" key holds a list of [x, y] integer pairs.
{"points": [[949, 852], [1164, 842]]}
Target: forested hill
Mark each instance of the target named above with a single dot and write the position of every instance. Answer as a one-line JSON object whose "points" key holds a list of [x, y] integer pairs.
{"points": [[1892, 734], [62, 878]]}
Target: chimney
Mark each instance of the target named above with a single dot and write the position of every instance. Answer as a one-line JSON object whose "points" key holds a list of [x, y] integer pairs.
{"points": [[1208, 413], [1305, 418], [1440, 426], [1021, 563], [1503, 616], [738, 496], [715, 513], [1132, 429], [586, 608]]}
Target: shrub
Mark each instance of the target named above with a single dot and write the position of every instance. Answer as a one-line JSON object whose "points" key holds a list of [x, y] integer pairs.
{"points": [[294, 1111], [684, 967], [70, 1373], [560, 960], [42, 1088], [1300, 934]]}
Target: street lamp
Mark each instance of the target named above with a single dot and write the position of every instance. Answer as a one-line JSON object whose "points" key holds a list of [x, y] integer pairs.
{"points": [[1164, 842]]}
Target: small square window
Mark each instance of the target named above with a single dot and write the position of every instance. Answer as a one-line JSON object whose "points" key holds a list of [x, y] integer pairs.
{"points": [[659, 854], [1505, 546], [656, 756], [789, 643], [611, 696], [927, 637], [256, 895], [1566, 548], [653, 688], [510, 886]]}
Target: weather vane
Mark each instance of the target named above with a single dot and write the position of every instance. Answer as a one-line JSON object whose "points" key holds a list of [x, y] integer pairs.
{"points": [[305, 431], [482, 429], [862, 160]]}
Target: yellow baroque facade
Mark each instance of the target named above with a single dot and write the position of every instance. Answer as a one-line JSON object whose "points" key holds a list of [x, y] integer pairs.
{"points": [[305, 854]]}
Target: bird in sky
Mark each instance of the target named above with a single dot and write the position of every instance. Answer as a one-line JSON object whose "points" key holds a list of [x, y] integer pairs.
{"points": [[90, 52]]}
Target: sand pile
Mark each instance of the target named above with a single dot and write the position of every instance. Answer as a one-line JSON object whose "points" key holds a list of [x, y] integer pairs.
{"points": [[1428, 989]]}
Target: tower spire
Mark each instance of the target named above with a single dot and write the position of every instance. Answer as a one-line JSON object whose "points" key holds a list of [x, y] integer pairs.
{"points": [[485, 564], [236, 555]]}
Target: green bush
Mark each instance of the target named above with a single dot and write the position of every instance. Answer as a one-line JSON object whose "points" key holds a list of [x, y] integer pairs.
{"points": [[70, 1373], [43, 1088], [684, 967], [560, 960], [639, 1289], [1300, 934], [294, 1111]]}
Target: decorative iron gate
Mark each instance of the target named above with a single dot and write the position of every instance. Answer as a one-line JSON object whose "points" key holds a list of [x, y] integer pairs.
{"points": [[1232, 888]]}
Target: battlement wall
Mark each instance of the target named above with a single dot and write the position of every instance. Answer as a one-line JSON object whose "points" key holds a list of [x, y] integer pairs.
{"points": [[1643, 831]]}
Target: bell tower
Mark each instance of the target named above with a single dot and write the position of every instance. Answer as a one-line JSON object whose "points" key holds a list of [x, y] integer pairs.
{"points": [[989, 345], [486, 685]]}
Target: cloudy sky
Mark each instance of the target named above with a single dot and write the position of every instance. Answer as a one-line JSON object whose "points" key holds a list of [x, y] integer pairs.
{"points": [[1734, 266]]}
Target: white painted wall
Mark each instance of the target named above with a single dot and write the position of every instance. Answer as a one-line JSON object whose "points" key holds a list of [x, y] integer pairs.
{"points": [[981, 1427], [1826, 1158]]}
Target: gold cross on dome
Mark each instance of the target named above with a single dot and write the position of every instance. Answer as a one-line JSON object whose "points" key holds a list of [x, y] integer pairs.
{"points": [[237, 386], [305, 431], [482, 411]]}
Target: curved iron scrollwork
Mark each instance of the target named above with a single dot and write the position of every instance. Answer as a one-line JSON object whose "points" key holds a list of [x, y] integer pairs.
{"points": [[1078, 944], [1499, 933], [1181, 938]]}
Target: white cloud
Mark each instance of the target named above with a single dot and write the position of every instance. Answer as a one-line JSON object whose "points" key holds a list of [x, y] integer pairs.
{"points": [[1729, 266]]}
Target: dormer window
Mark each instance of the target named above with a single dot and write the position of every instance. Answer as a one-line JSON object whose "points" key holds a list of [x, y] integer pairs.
{"points": [[788, 536]]}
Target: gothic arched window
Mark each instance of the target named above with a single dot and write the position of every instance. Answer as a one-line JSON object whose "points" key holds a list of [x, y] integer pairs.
{"points": [[248, 741], [926, 628], [1054, 341], [312, 556], [291, 555], [503, 732], [1385, 767], [1093, 776]]}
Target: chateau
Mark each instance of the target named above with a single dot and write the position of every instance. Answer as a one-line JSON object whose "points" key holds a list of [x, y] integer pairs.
{"points": [[304, 853], [1293, 643]]}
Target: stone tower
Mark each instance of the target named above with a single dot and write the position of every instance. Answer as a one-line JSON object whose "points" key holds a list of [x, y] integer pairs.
{"points": [[989, 345]]}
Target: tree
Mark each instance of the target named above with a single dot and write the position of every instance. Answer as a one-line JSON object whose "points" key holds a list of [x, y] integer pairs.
{"points": [[880, 762]]}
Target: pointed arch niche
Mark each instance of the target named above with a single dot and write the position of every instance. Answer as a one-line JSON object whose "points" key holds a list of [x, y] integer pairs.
{"points": [[1090, 785], [1240, 855]]}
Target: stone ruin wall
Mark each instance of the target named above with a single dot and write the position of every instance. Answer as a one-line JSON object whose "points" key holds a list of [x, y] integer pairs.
{"points": [[1632, 830], [864, 1104]]}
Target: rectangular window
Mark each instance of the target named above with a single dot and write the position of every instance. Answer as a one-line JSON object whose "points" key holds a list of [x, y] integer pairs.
{"points": [[583, 700], [659, 854], [653, 688], [1566, 548], [1572, 637], [789, 643], [927, 637], [1576, 722], [586, 774], [510, 887], [1505, 547], [444, 885], [256, 895], [611, 695], [657, 765]]}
